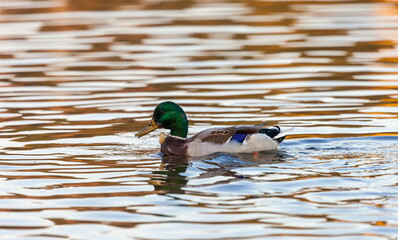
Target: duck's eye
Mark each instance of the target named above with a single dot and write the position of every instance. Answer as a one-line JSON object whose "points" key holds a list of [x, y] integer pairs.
{"points": [[161, 112]]}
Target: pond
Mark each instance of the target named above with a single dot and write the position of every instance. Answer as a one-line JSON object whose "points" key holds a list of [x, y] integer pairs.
{"points": [[79, 78]]}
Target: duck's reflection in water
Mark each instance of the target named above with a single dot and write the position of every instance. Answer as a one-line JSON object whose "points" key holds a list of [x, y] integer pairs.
{"points": [[175, 173]]}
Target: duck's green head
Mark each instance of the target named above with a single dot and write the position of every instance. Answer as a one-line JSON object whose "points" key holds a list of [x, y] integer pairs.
{"points": [[170, 116]]}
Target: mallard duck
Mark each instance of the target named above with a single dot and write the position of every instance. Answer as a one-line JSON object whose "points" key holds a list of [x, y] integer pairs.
{"points": [[234, 139]]}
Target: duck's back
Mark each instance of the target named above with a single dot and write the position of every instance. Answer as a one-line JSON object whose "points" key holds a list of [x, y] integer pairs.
{"points": [[234, 139]]}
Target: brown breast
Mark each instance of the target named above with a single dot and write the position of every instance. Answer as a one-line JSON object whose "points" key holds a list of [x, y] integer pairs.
{"points": [[174, 146]]}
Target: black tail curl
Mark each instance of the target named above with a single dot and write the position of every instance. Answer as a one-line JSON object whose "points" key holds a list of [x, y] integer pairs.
{"points": [[272, 132]]}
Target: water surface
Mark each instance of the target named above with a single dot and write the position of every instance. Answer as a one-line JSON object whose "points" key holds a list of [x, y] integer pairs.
{"points": [[79, 78]]}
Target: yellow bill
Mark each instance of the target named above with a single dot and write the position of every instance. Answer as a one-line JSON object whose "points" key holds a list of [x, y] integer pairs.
{"points": [[152, 126]]}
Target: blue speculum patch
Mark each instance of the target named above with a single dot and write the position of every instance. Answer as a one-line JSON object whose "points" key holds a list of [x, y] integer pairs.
{"points": [[240, 137]]}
